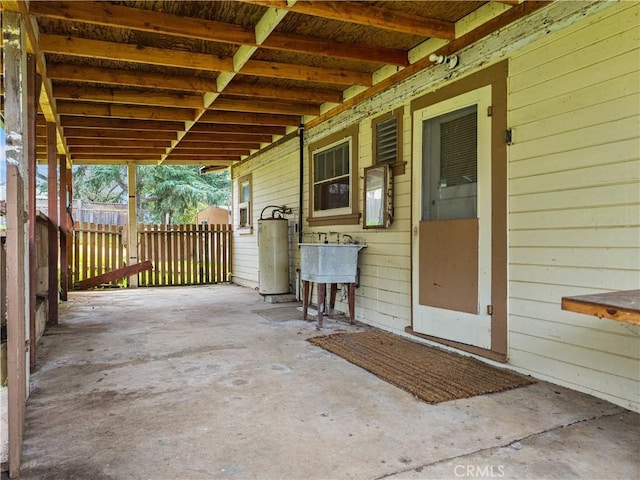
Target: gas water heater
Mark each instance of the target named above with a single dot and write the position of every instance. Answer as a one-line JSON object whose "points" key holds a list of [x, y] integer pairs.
{"points": [[273, 253]]}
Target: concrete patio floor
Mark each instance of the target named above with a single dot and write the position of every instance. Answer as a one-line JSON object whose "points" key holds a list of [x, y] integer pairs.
{"points": [[194, 383]]}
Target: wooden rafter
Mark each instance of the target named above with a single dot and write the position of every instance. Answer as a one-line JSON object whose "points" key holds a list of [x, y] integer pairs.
{"points": [[82, 47], [113, 76], [266, 106], [123, 111], [106, 133], [120, 124], [163, 23], [363, 14], [250, 118], [133, 97]]}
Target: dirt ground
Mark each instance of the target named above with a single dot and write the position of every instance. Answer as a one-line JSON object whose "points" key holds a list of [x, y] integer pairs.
{"points": [[214, 383]]}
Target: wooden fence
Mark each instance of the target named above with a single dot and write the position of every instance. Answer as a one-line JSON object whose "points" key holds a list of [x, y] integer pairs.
{"points": [[181, 254], [97, 249]]}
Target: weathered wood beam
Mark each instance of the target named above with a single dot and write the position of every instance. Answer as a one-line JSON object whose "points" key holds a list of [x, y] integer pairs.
{"points": [[81, 47], [240, 129], [89, 134], [120, 124], [166, 24], [506, 18], [84, 109], [33, 92], [14, 51], [224, 146], [219, 164], [224, 138], [112, 142], [363, 14], [312, 95], [250, 118], [208, 152], [64, 229], [135, 78], [52, 213], [265, 106], [186, 83], [119, 151], [131, 97], [201, 160], [97, 157], [114, 275], [337, 76]]}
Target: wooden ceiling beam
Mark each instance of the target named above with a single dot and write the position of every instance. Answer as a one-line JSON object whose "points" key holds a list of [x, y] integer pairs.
{"points": [[225, 138], [313, 95], [189, 144], [106, 133], [112, 76], [120, 124], [306, 73], [205, 152], [265, 106], [329, 48], [119, 151], [125, 52], [85, 109], [132, 97], [250, 118], [242, 129], [113, 142], [101, 13], [134, 78], [203, 159], [109, 156], [372, 16]]}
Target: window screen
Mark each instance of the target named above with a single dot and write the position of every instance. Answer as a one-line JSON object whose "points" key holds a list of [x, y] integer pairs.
{"points": [[331, 178]]}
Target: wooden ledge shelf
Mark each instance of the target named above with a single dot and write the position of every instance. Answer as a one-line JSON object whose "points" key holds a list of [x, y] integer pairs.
{"points": [[623, 306]]}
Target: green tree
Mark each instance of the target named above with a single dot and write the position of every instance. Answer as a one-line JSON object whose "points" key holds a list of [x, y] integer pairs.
{"points": [[165, 194]]}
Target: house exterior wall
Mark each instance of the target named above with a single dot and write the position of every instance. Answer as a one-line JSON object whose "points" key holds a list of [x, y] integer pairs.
{"points": [[573, 193], [575, 202], [274, 181]]}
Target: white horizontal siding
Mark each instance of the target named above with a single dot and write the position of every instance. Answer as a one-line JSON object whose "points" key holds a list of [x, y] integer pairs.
{"points": [[574, 202], [573, 192], [274, 182]]}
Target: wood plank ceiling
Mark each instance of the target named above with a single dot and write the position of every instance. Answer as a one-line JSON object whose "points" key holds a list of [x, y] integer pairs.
{"points": [[209, 83]]}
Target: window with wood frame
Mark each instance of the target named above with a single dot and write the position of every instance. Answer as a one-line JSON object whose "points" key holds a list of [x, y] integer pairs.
{"points": [[333, 192], [244, 202], [387, 140]]}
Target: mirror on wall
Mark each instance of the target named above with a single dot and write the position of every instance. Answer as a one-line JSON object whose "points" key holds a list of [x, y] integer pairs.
{"points": [[378, 197]]}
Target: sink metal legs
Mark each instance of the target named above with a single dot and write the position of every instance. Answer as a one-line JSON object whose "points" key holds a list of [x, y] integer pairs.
{"points": [[322, 294]]}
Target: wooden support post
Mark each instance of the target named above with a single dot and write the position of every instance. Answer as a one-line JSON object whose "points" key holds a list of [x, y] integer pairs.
{"points": [[62, 212], [15, 113], [32, 96], [69, 229], [52, 188], [132, 224]]}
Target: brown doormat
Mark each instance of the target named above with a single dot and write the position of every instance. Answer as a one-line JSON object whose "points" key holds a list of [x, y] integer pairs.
{"points": [[430, 374]]}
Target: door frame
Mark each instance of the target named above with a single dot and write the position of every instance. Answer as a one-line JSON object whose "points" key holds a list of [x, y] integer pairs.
{"points": [[446, 314], [496, 76]]}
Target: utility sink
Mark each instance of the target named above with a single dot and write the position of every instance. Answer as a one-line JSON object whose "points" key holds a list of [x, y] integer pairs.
{"points": [[329, 262]]}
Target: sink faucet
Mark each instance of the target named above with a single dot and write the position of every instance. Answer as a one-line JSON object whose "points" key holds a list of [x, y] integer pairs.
{"points": [[347, 238]]}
